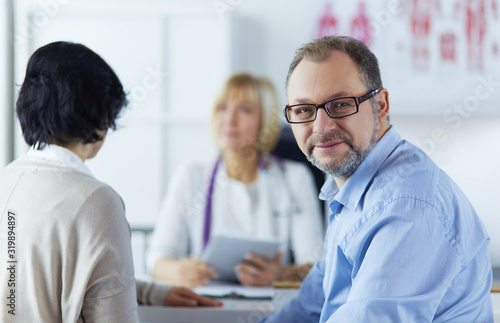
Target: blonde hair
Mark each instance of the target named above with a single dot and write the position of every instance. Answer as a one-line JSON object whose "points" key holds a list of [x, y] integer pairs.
{"points": [[261, 92]]}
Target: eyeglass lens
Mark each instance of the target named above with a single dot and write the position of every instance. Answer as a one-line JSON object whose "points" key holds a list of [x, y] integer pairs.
{"points": [[336, 108]]}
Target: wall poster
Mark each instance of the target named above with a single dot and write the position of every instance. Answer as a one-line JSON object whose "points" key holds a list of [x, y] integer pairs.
{"points": [[435, 55]]}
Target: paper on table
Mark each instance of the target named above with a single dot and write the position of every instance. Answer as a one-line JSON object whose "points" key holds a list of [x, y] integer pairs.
{"points": [[235, 291]]}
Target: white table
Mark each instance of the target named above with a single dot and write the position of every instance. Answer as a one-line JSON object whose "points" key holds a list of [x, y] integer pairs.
{"points": [[495, 298], [238, 311], [234, 311]]}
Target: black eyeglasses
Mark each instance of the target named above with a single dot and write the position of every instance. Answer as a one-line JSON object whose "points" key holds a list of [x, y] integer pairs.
{"points": [[336, 108]]}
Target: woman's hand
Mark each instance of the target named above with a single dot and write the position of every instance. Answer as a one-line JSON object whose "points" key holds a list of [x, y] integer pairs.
{"points": [[181, 296], [256, 270], [193, 272]]}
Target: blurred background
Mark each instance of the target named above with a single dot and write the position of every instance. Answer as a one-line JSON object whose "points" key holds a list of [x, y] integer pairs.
{"points": [[440, 60]]}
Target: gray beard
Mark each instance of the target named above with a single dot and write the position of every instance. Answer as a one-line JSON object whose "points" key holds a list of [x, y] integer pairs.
{"points": [[354, 157]]}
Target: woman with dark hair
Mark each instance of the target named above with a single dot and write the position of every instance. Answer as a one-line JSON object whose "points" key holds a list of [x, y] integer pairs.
{"points": [[67, 237]]}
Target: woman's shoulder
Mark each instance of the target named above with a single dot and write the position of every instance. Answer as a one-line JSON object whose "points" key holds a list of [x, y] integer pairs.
{"points": [[75, 190], [192, 169], [191, 174], [93, 191], [196, 165], [66, 179], [291, 166], [296, 174]]}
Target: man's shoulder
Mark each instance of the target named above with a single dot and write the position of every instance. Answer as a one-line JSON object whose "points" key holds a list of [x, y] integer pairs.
{"points": [[409, 174], [411, 185], [408, 170]]}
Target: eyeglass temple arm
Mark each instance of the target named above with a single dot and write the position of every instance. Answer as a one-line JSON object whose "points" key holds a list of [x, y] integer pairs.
{"points": [[368, 95]]}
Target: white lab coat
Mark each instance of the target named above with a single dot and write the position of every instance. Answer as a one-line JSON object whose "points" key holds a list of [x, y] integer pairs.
{"points": [[281, 204]]}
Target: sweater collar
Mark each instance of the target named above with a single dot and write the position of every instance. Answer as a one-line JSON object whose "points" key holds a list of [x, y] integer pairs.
{"points": [[58, 156]]}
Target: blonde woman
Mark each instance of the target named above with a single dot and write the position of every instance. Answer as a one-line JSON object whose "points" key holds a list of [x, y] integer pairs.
{"points": [[245, 192]]}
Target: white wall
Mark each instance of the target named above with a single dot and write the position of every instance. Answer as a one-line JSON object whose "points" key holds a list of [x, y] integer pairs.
{"points": [[5, 81], [268, 33]]}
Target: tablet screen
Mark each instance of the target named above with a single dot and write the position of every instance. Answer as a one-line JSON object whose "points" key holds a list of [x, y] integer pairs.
{"points": [[224, 253]]}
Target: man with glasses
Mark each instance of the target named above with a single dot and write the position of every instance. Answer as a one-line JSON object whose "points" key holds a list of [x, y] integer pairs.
{"points": [[403, 244]]}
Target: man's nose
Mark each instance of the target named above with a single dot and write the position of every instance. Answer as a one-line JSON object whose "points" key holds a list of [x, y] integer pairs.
{"points": [[323, 123]]}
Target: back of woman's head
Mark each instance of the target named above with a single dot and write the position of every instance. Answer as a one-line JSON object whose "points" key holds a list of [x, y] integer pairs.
{"points": [[69, 93]]}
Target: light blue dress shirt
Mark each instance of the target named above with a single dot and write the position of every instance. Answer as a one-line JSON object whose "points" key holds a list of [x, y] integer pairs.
{"points": [[404, 244]]}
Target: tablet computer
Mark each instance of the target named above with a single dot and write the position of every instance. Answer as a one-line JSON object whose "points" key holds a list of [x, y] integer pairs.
{"points": [[224, 253]]}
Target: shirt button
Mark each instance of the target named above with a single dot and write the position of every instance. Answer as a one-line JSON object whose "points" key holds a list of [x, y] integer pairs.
{"points": [[337, 216]]}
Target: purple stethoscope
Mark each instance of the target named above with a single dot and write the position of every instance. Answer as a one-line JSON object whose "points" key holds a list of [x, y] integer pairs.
{"points": [[210, 193]]}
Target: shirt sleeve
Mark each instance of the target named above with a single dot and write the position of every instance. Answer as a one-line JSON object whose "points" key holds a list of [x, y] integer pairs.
{"points": [[104, 245], [150, 293], [307, 237], [171, 234], [403, 263], [306, 306]]}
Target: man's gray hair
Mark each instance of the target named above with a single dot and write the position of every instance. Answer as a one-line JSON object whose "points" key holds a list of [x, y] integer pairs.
{"points": [[320, 49]]}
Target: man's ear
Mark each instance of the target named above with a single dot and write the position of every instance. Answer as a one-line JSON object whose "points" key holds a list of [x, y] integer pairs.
{"points": [[383, 102]]}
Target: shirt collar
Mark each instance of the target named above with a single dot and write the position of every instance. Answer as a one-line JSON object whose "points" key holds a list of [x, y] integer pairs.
{"points": [[329, 189], [58, 156], [355, 186]]}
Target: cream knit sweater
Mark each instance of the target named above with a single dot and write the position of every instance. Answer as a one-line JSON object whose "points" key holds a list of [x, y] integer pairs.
{"points": [[65, 245]]}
